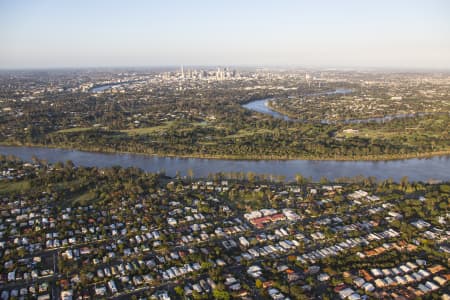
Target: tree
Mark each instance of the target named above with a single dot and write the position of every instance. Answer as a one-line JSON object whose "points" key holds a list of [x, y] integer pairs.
{"points": [[251, 177], [59, 165], [300, 179], [323, 180], [404, 182], [445, 188], [221, 295], [179, 290], [258, 283], [190, 173], [298, 293], [70, 164]]}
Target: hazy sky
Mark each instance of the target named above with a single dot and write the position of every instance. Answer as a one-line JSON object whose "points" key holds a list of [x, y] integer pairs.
{"points": [[334, 33]]}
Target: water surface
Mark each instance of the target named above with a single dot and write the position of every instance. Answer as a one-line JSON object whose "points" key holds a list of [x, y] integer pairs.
{"points": [[423, 169]]}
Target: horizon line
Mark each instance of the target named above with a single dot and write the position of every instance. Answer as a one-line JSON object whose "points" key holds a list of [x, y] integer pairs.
{"points": [[268, 66]]}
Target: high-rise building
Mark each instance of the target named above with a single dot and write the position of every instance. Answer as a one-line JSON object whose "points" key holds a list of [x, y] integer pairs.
{"points": [[308, 79], [218, 74]]}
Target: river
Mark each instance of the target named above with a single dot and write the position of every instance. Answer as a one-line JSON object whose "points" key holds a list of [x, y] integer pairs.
{"points": [[262, 106], [102, 87], [416, 169]]}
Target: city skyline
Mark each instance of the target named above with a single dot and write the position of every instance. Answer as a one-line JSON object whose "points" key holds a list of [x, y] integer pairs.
{"points": [[50, 34]]}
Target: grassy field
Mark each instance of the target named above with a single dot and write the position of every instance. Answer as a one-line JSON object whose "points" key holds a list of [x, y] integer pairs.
{"points": [[82, 198], [387, 134], [148, 130], [11, 187], [75, 129], [161, 128], [367, 133], [244, 133]]}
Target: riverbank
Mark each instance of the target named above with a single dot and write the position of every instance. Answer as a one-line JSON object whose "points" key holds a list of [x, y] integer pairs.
{"points": [[241, 157]]}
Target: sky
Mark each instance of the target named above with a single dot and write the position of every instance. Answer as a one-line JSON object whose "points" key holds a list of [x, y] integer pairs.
{"points": [[315, 33]]}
